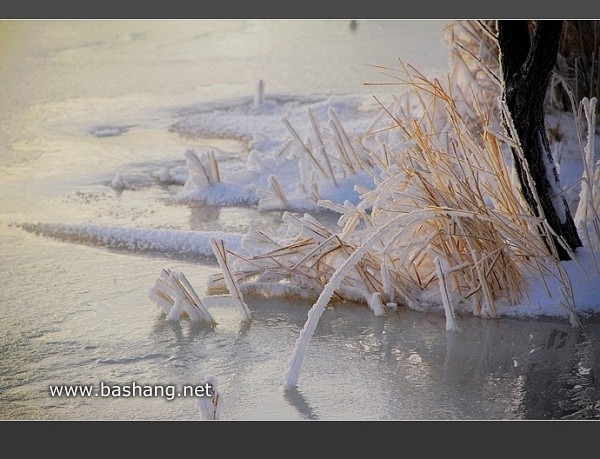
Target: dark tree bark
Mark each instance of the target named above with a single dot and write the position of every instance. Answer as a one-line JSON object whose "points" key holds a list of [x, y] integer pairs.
{"points": [[527, 61]]}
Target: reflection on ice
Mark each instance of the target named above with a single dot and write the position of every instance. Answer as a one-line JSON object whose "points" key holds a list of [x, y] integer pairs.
{"points": [[299, 402]]}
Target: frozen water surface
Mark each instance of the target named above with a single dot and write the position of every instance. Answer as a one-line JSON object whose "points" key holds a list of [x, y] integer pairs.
{"points": [[96, 118]]}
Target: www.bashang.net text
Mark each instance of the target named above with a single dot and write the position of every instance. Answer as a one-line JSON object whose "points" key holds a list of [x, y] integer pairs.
{"points": [[133, 389]]}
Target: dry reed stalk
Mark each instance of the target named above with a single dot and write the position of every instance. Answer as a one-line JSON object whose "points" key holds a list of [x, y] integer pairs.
{"points": [[220, 251], [321, 145], [445, 293], [305, 148]]}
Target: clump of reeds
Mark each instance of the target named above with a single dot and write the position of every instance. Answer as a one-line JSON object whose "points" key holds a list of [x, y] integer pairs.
{"points": [[444, 224], [444, 205], [228, 278], [176, 298], [474, 61], [326, 160], [452, 194], [574, 87]]}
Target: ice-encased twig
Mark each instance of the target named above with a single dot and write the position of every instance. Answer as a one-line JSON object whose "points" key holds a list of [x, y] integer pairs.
{"points": [[295, 362], [209, 405], [256, 240], [441, 270], [308, 225], [203, 169], [273, 198], [232, 285], [311, 155], [193, 305], [321, 146], [174, 295], [259, 96]]}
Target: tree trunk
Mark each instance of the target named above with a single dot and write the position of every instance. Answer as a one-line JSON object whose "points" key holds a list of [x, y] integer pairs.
{"points": [[527, 63]]}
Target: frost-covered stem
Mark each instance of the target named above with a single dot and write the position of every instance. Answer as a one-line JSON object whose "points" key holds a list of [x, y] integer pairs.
{"points": [[568, 294], [386, 279], [197, 309], [277, 190], [295, 135], [322, 145], [295, 362], [445, 293], [218, 247], [345, 144], [488, 301], [587, 218], [203, 170]]}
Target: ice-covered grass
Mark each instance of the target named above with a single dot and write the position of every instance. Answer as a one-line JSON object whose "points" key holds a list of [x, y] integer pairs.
{"points": [[441, 189], [443, 225], [430, 216], [175, 297]]}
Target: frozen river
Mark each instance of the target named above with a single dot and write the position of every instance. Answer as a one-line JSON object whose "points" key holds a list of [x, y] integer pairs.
{"points": [[84, 102]]}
